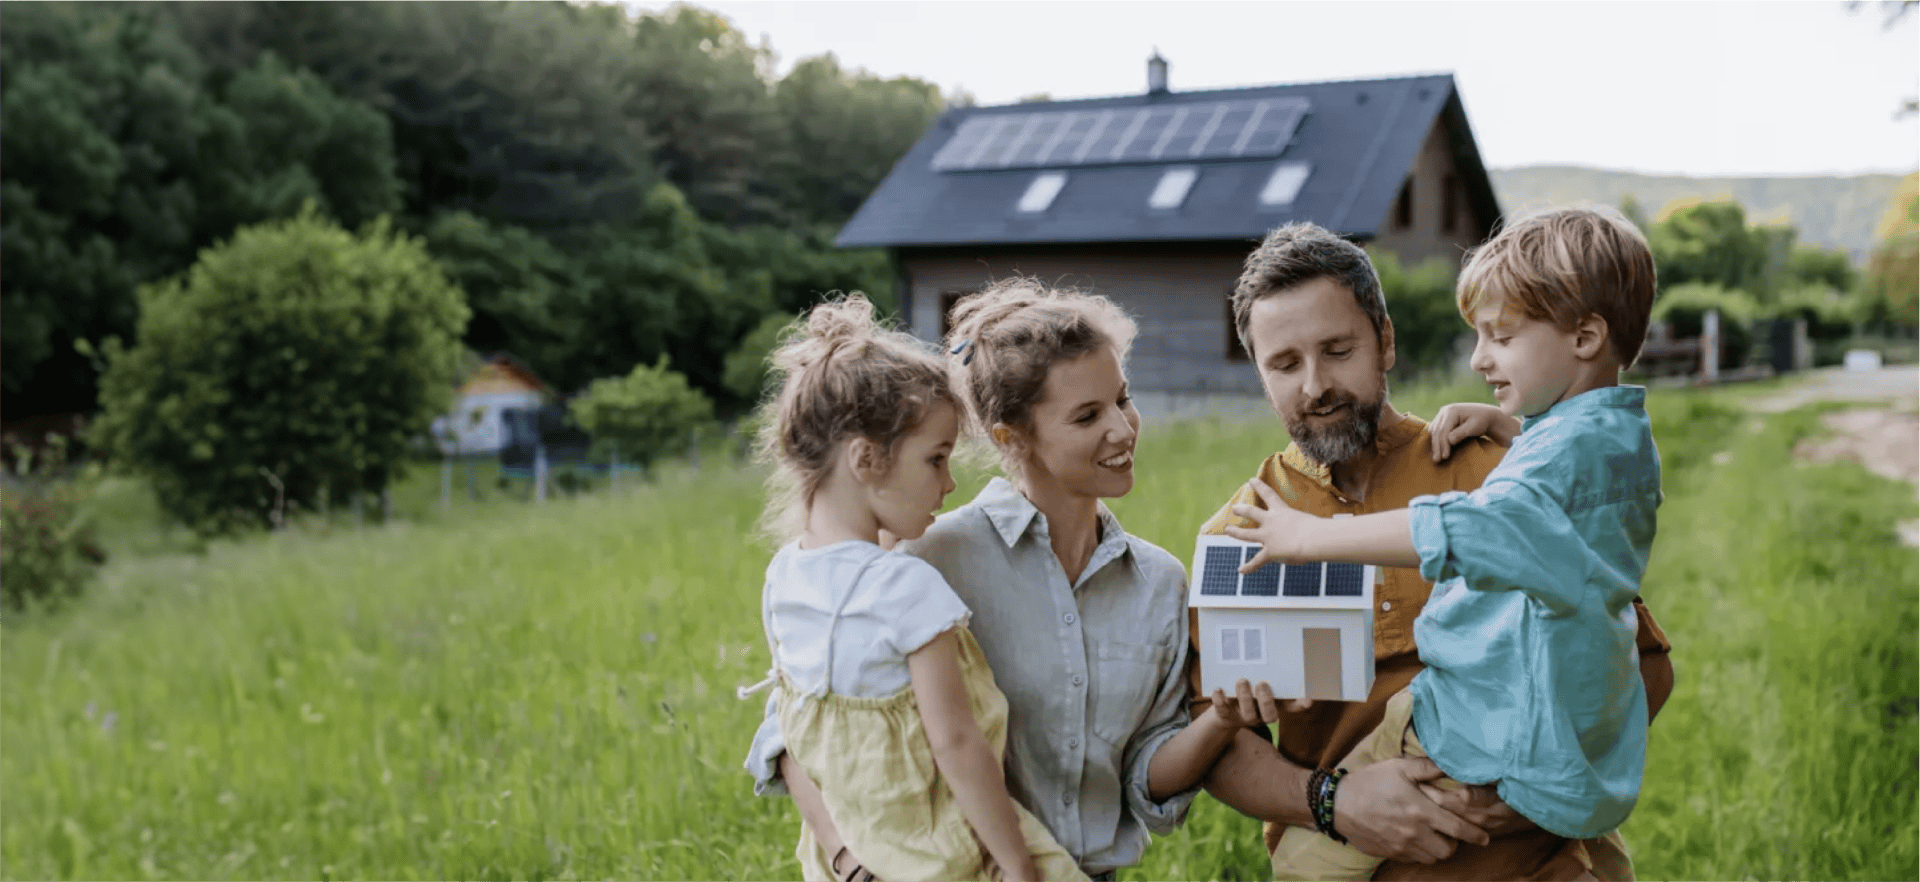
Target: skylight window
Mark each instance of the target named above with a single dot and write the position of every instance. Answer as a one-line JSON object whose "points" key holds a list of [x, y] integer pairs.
{"points": [[1040, 193], [1173, 187], [1284, 184]]}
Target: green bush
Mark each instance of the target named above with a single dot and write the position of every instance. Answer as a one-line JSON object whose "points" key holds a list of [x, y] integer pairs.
{"points": [[48, 552], [293, 363], [1684, 308], [1426, 319], [747, 368], [642, 416]]}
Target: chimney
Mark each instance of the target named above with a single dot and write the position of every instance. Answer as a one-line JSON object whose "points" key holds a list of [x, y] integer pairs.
{"points": [[1156, 74]]}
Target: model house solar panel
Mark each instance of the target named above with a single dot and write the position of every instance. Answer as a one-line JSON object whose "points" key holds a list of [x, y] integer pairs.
{"points": [[1345, 579], [1221, 573], [1234, 129], [1303, 580], [1304, 629]]}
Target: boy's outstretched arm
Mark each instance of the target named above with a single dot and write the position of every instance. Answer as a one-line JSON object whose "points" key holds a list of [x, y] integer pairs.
{"points": [[1287, 536]]}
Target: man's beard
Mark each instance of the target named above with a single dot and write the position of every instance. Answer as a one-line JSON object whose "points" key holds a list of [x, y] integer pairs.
{"points": [[1345, 439]]}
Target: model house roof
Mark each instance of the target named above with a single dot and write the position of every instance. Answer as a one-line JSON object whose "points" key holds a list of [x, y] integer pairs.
{"points": [[1170, 166]]}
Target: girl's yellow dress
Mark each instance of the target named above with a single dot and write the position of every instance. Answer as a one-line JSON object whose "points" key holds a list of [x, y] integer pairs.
{"points": [[874, 766]]}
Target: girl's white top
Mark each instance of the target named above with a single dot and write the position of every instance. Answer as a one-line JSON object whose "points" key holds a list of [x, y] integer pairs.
{"points": [[847, 615]]}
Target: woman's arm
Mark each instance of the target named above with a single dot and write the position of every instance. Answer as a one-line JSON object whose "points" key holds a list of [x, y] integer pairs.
{"points": [[1183, 761], [960, 750]]}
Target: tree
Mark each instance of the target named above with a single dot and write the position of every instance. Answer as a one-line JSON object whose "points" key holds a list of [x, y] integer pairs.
{"points": [[747, 366], [293, 363], [1893, 272], [1708, 243], [1426, 317], [845, 133], [649, 413]]}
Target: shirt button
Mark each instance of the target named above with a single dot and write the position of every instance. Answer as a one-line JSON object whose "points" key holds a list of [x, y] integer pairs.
{"points": [[1386, 606], [1066, 798], [1073, 743], [1076, 679], [1069, 618]]}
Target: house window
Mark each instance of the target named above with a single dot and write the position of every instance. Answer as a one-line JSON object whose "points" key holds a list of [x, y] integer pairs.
{"points": [[1173, 187], [1449, 203], [1284, 184], [947, 300], [1403, 206], [1040, 193], [1235, 351]]}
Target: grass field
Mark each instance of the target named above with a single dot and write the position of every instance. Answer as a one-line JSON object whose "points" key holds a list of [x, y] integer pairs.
{"points": [[506, 690]]}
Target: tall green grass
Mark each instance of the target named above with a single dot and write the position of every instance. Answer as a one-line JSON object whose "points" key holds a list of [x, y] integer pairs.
{"points": [[506, 690]]}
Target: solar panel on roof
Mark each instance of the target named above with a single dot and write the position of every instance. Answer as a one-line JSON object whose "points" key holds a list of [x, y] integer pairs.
{"points": [[1221, 575], [1242, 127], [1263, 582], [1303, 580], [1344, 579]]}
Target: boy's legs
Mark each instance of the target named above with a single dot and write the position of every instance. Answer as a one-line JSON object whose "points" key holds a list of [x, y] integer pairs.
{"points": [[1306, 854]]}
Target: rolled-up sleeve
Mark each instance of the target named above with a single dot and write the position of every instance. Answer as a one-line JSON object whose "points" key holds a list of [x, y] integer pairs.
{"points": [[763, 759], [1166, 718], [1506, 536]]}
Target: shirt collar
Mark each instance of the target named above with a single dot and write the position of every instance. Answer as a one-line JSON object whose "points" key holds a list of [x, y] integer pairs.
{"points": [[1633, 397], [1013, 516], [1386, 439]]}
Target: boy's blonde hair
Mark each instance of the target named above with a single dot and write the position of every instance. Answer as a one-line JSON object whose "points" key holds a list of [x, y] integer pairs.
{"points": [[1006, 338], [1563, 265], [841, 376]]}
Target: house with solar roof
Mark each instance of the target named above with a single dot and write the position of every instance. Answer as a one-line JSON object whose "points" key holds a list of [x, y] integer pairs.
{"points": [[1155, 199]]}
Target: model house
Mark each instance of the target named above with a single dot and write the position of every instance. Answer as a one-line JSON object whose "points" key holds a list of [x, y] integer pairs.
{"points": [[1304, 629]]}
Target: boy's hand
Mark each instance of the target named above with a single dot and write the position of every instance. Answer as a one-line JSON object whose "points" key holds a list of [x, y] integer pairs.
{"points": [[1276, 527], [1458, 422]]}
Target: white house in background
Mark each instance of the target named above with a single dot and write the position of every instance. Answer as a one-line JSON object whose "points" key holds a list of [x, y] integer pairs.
{"points": [[476, 426], [1304, 629]]}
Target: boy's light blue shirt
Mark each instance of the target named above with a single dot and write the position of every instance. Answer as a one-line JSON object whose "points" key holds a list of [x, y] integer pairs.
{"points": [[1532, 677]]}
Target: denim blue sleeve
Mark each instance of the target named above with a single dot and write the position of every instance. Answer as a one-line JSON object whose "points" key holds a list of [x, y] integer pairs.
{"points": [[763, 759], [1506, 536]]}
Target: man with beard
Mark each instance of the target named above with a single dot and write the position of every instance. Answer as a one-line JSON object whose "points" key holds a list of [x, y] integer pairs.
{"points": [[1310, 312]]}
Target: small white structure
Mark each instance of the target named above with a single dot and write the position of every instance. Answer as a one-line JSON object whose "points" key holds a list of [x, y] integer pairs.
{"points": [[475, 426], [1304, 629]]}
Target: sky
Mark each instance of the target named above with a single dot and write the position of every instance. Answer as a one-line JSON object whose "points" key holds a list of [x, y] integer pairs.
{"points": [[1808, 87]]}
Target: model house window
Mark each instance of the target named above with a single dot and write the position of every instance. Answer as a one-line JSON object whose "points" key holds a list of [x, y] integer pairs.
{"points": [[1173, 187], [1040, 193], [1235, 351], [1403, 207]]}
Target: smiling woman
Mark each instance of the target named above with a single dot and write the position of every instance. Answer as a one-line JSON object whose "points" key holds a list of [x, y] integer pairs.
{"points": [[1082, 623]]}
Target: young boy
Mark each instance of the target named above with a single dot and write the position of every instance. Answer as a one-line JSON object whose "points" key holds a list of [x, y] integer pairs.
{"points": [[1528, 637]]}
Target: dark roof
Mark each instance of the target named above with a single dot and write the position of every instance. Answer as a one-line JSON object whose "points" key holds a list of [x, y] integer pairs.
{"points": [[1359, 137]]}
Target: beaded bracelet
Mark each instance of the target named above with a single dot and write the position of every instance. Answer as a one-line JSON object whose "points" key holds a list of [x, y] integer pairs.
{"points": [[1320, 791]]}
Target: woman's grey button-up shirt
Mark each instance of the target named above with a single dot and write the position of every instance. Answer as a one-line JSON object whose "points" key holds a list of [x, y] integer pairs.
{"points": [[1093, 671]]}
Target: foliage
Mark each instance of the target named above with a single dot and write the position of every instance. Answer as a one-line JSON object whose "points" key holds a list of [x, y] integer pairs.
{"points": [[1893, 273], [125, 154], [1830, 211], [1684, 307], [528, 297], [294, 362], [1707, 243], [1426, 317], [643, 416], [46, 532], [747, 367]]}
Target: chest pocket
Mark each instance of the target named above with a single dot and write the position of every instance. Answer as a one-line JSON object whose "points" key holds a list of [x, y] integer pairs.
{"points": [[1126, 677]]}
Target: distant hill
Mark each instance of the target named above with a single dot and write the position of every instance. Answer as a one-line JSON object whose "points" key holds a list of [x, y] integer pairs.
{"points": [[1829, 211]]}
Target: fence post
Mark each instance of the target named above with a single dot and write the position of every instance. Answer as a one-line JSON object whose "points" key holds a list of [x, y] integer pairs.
{"points": [[1710, 347], [540, 472], [446, 482]]}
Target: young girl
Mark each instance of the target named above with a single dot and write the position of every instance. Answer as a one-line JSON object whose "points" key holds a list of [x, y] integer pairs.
{"points": [[882, 694]]}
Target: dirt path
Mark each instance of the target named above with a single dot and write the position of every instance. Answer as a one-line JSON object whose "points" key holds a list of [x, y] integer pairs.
{"points": [[1883, 435]]}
